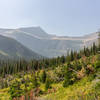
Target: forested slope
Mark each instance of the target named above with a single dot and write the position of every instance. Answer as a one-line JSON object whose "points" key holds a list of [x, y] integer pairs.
{"points": [[76, 76]]}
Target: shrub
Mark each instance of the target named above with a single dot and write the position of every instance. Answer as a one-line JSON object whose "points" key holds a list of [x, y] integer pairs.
{"points": [[15, 90], [68, 79], [48, 84], [97, 65]]}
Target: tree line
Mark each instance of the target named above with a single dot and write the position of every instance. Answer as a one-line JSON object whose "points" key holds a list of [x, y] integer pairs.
{"points": [[12, 67]]}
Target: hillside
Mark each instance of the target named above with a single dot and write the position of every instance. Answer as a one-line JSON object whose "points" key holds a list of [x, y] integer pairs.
{"points": [[36, 39], [74, 77], [11, 49], [87, 88]]}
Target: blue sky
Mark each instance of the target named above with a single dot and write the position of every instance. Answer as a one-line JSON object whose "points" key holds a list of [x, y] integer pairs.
{"points": [[61, 17]]}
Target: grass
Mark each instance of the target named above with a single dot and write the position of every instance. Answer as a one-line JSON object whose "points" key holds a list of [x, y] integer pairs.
{"points": [[79, 91], [82, 90], [4, 94]]}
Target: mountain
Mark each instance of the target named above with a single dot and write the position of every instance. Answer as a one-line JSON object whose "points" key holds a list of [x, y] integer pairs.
{"points": [[36, 39], [10, 48]]}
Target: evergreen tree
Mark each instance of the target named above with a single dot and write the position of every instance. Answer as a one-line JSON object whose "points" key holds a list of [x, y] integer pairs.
{"points": [[87, 52], [94, 48], [68, 58], [63, 59], [48, 84], [72, 55], [84, 51], [68, 76], [43, 77]]}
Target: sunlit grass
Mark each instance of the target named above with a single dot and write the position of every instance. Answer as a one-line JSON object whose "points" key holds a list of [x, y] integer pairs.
{"points": [[4, 94], [81, 90]]}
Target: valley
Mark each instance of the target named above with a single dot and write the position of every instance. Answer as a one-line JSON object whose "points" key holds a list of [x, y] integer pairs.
{"points": [[47, 45]]}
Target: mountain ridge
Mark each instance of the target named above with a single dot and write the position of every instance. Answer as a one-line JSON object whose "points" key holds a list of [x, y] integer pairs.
{"points": [[11, 49], [36, 39]]}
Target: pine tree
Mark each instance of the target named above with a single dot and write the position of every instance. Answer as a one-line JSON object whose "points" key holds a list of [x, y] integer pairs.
{"points": [[72, 55], [63, 59], [88, 52], [43, 76], [68, 58], [94, 48], [48, 84], [68, 76], [84, 51]]}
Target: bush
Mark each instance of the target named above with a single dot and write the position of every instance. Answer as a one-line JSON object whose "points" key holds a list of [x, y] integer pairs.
{"points": [[68, 79], [97, 65], [48, 84], [35, 82], [15, 90], [97, 88]]}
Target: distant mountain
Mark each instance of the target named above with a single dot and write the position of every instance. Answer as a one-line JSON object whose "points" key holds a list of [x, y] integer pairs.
{"points": [[36, 39], [10, 48]]}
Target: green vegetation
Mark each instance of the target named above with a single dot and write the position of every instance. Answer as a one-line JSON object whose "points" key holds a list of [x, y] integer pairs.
{"points": [[81, 90], [48, 84], [64, 82], [74, 77]]}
